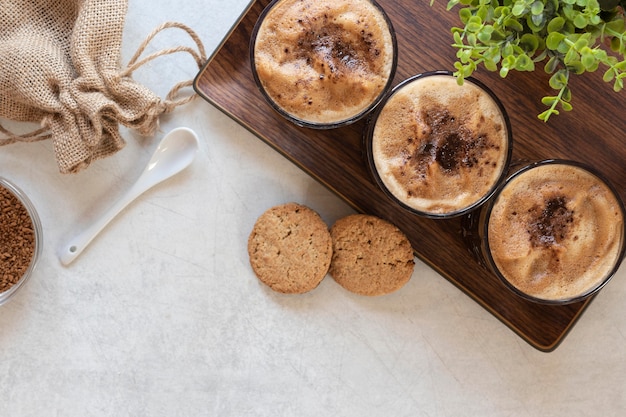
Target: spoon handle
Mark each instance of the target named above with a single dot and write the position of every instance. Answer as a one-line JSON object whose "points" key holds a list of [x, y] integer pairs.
{"points": [[78, 243], [173, 154]]}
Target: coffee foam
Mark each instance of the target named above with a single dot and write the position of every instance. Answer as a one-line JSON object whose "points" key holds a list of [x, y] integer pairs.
{"points": [[440, 147], [324, 61], [564, 257]]}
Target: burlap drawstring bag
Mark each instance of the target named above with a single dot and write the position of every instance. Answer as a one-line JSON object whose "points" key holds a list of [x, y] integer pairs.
{"points": [[60, 67]]}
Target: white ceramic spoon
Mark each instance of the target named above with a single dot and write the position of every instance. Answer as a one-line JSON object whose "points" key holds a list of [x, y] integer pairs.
{"points": [[175, 152]]}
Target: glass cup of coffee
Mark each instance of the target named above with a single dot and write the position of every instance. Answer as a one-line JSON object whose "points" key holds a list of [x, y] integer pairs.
{"points": [[437, 148], [553, 232], [323, 63]]}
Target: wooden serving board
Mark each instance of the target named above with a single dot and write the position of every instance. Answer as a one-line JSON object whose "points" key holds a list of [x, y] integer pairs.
{"points": [[592, 133]]}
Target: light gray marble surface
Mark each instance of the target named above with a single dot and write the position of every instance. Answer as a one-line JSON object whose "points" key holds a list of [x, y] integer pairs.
{"points": [[162, 315]]}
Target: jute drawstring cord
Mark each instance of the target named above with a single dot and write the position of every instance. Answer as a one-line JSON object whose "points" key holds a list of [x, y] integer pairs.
{"points": [[199, 55], [34, 136]]}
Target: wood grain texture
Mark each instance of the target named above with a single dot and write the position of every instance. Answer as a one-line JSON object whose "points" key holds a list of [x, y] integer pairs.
{"points": [[593, 133]]}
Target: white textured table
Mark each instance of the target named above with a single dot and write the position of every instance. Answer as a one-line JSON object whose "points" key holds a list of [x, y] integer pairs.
{"points": [[162, 315]]}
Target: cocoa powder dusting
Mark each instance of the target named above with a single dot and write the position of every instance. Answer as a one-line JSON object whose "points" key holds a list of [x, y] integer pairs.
{"points": [[328, 44], [17, 239], [552, 223], [451, 144]]}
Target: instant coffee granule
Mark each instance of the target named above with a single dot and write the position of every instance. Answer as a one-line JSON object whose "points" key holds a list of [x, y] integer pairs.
{"points": [[17, 239]]}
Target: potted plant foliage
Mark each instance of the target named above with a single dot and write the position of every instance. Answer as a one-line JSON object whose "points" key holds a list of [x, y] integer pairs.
{"points": [[567, 37]]}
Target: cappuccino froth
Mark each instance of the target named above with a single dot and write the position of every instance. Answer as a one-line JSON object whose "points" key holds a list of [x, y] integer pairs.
{"points": [[324, 61], [555, 231], [439, 147]]}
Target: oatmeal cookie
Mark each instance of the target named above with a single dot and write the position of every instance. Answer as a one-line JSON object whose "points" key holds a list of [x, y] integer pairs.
{"points": [[370, 255], [290, 248]]}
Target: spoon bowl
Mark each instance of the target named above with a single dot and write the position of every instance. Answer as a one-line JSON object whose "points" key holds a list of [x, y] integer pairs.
{"points": [[174, 153]]}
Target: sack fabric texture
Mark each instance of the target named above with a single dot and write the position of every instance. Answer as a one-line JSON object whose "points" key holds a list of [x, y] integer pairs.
{"points": [[60, 67]]}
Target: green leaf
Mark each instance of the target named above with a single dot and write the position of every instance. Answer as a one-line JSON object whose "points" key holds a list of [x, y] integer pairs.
{"points": [[611, 61], [524, 63], [492, 55], [616, 25], [483, 13], [546, 114], [536, 22], [450, 5], [565, 106], [580, 21], [576, 67], [513, 25], [543, 53], [583, 41], [550, 100], [518, 9], [600, 54], [490, 65], [507, 50], [464, 71], [484, 36], [536, 8], [500, 11], [474, 24], [465, 15], [563, 48], [571, 57], [559, 79], [551, 65], [459, 73], [589, 61], [556, 24], [595, 20], [553, 40], [464, 55], [608, 75], [616, 44], [566, 94], [457, 38], [529, 43]]}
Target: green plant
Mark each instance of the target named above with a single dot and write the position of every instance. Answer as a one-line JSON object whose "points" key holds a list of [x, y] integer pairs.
{"points": [[568, 36]]}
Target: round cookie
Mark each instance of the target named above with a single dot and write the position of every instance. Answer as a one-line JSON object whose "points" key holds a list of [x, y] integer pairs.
{"points": [[370, 255], [290, 248]]}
